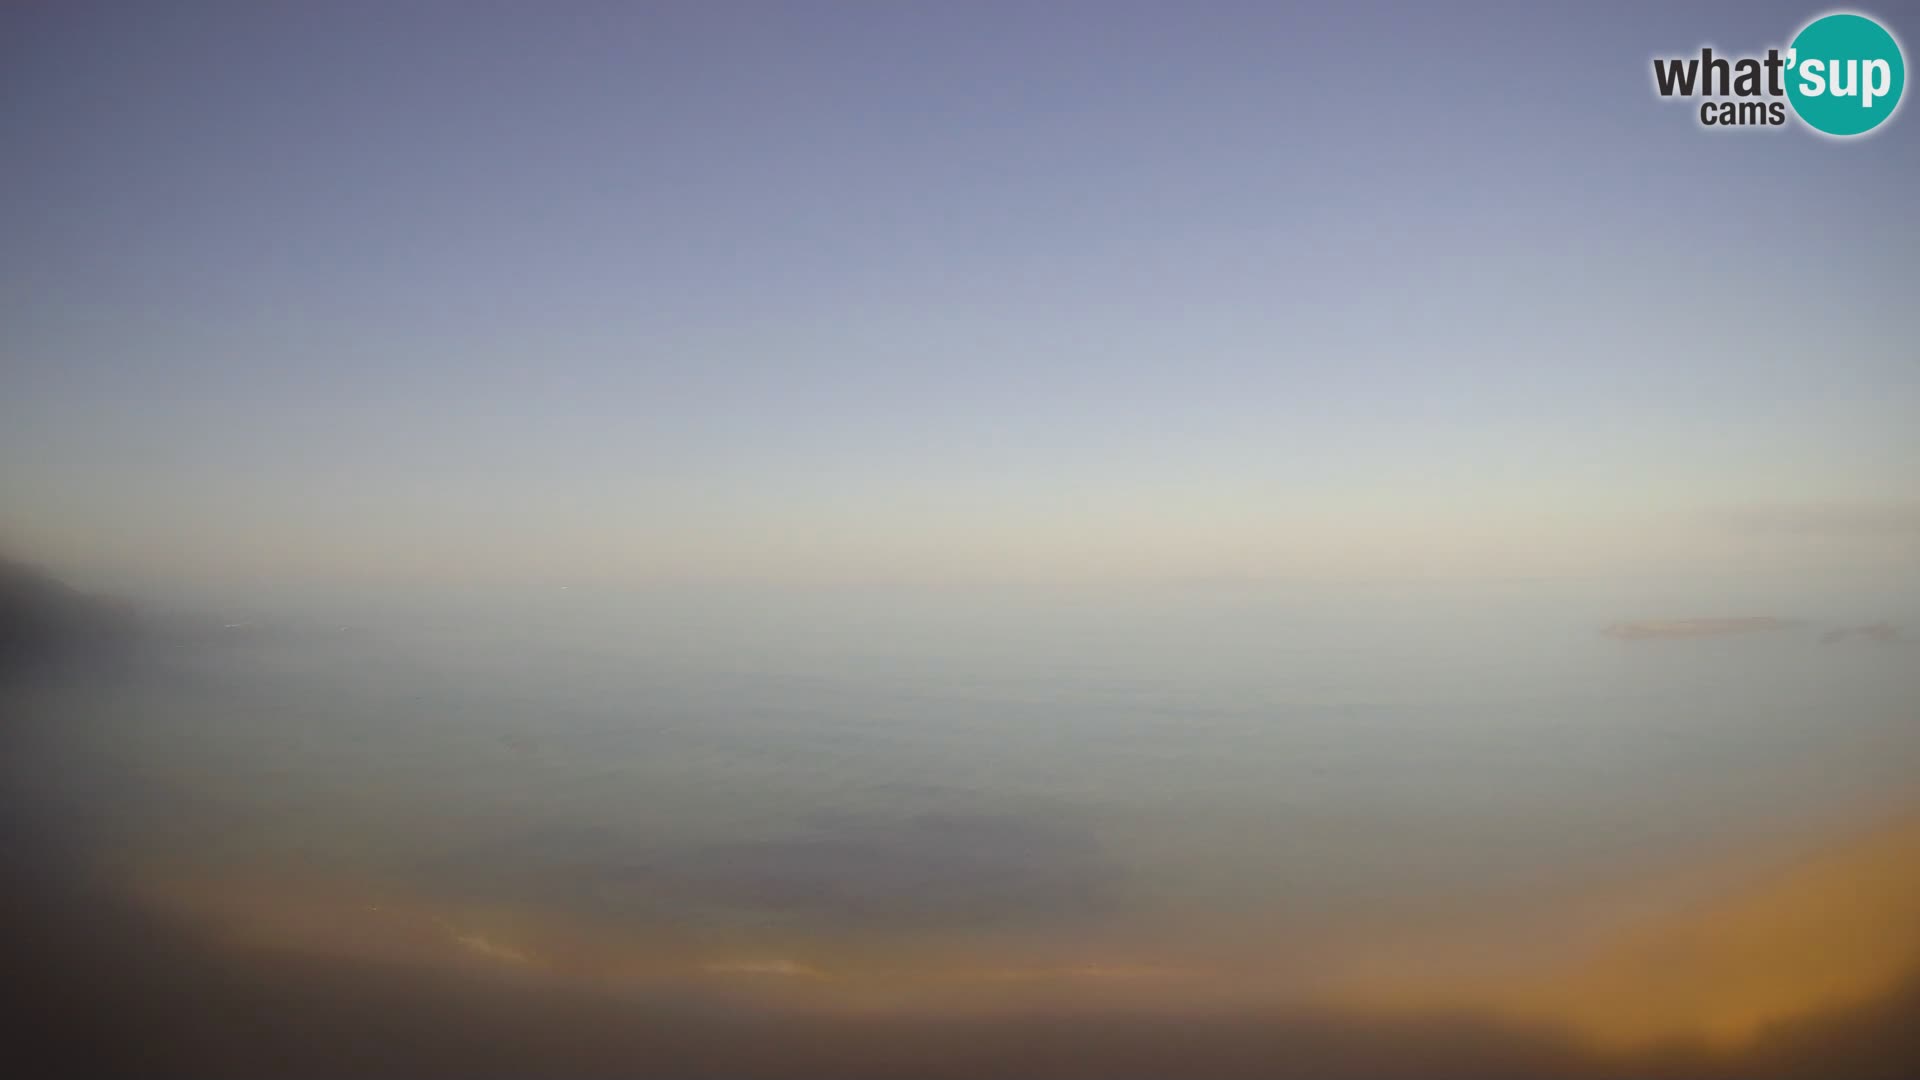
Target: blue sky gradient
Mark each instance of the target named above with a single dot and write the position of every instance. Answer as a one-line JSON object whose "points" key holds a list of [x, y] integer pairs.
{"points": [[863, 291]]}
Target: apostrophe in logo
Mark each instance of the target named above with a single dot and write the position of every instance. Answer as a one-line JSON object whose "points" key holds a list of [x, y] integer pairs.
{"points": [[1842, 76], [1845, 74]]}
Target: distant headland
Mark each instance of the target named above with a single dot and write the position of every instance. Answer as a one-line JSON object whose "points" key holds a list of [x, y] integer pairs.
{"points": [[46, 623]]}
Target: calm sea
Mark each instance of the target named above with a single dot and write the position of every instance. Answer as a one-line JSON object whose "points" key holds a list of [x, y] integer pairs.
{"points": [[799, 782]]}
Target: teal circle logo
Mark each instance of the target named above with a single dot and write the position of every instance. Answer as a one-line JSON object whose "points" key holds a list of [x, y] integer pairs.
{"points": [[1845, 74]]}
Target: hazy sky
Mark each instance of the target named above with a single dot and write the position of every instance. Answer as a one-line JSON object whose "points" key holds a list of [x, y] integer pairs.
{"points": [[938, 292]]}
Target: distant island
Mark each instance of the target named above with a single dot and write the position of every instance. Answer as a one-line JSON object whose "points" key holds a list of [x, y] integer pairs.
{"points": [[1882, 632], [1659, 629]]}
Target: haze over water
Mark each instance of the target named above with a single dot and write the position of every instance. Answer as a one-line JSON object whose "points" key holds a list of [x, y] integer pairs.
{"points": [[919, 799], [872, 540]]}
